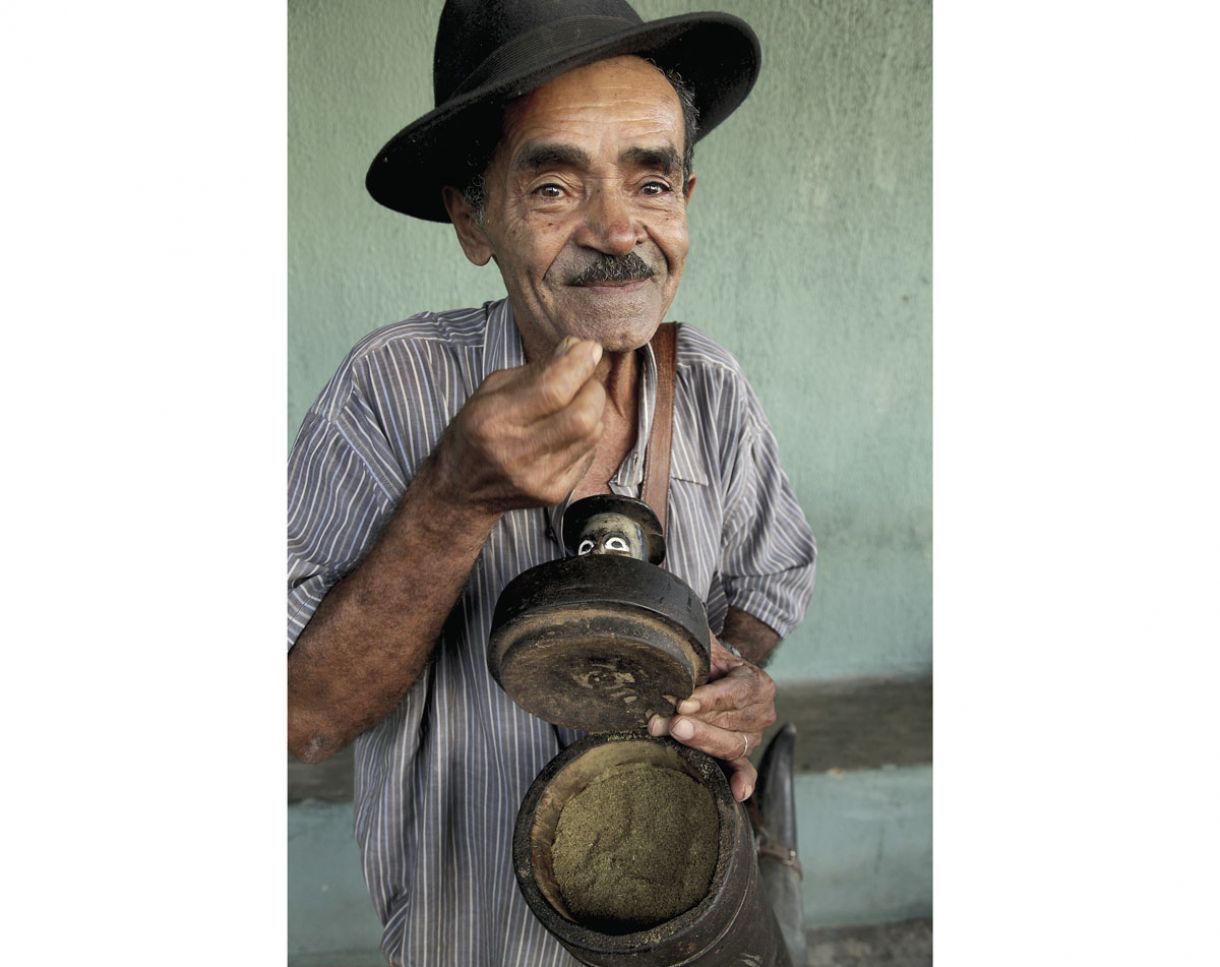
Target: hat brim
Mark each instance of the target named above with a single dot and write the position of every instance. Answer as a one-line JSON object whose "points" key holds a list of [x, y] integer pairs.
{"points": [[717, 55]]}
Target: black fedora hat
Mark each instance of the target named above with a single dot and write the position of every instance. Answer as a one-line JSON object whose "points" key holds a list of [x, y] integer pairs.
{"points": [[490, 51]]}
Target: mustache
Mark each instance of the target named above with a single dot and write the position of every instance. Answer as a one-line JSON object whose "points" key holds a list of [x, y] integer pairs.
{"points": [[612, 268]]}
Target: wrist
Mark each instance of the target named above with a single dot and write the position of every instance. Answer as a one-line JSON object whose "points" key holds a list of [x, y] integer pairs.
{"points": [[444, 509]]}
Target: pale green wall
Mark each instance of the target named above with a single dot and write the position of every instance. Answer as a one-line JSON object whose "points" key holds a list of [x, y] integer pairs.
{"points": [[811, 260]]}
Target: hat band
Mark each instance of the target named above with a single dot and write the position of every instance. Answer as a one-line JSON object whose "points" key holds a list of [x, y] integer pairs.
{"points": [[539, 48]]}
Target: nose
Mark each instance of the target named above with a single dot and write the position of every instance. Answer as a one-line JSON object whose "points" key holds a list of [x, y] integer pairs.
{"points": [[609, 223]]}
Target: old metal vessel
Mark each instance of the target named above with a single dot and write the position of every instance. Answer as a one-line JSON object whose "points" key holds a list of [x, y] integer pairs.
{"points": [[600, 641]]}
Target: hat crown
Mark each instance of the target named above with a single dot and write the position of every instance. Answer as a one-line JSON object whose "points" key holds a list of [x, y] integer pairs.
{"points": [[470, 31]]}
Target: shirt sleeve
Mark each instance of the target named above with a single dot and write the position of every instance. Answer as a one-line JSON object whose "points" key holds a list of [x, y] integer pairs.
{"points": [[336, 510], [769, 554]]}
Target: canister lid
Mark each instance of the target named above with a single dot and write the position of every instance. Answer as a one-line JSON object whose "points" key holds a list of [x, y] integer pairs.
{"points": [[599, 643]]}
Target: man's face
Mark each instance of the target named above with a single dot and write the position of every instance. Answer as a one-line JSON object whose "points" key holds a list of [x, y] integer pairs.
{"points": [[586, 211]]}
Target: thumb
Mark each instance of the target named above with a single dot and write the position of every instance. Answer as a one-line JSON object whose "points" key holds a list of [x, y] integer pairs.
{"points": [[569, 367], [556, 379], [573, 346]]}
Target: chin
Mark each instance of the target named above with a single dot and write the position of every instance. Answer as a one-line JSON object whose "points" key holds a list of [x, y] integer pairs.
{"points": [[627, 336], [621, 332], [620, 320]]}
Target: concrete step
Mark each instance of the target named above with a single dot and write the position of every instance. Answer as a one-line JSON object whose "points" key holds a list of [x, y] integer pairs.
{"points": [[905, 944]]}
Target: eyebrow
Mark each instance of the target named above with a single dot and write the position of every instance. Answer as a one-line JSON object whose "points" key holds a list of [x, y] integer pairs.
{"points": [[547, 154], [550, 154], [661, 159]]}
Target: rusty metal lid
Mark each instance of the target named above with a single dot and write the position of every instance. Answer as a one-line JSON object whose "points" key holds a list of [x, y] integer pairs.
{"points": [[599, 643]]}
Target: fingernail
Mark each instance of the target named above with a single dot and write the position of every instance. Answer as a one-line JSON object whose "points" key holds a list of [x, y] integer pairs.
{"points": [[566, 343], [747, 793], [656, 725], [688, 706], [683, 730], [597, 353]]}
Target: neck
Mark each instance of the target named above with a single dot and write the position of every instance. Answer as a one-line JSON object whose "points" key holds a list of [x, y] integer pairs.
{"points": [[619, 374]]}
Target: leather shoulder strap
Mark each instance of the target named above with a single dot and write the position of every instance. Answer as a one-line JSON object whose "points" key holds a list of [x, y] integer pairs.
{"points": [[655, 491]]}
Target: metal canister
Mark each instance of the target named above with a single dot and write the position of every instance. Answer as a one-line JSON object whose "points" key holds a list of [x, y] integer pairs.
{"points": [[600, 642]]}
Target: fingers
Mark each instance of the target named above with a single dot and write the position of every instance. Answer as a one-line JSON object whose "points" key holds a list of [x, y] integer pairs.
{"points": [[743, 700], [725, 718], [722, 660], [555, 382], [527, 435], [733, 747], [738, 689], [743, 780], [578, 422], [549, 458], [560, 472]]}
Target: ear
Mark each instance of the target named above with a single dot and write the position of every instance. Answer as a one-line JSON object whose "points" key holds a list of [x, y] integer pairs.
{"points": [[690, 188], [469, 232]]}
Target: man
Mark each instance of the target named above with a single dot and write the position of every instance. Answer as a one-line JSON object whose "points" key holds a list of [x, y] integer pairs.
{"points": [[431, 470]]}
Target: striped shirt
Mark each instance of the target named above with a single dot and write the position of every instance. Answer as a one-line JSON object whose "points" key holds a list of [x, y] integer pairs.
{"points": [[439, 780]]}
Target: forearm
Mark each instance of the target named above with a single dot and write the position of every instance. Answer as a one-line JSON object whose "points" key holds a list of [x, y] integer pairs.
{"points": [[374, 631], [749, 636]]}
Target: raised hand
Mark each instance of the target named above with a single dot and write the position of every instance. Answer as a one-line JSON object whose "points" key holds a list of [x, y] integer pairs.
{"points": [[526, 436]]}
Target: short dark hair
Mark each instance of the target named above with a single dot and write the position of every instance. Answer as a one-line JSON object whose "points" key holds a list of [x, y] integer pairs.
{"points": [[479, 154]]}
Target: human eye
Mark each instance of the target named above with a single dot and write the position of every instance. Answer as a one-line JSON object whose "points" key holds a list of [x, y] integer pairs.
{"points": [[549, 191], [655, 188]]}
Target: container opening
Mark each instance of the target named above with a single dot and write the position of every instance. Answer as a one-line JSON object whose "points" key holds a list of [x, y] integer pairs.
{"points": [[625, 837]]}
